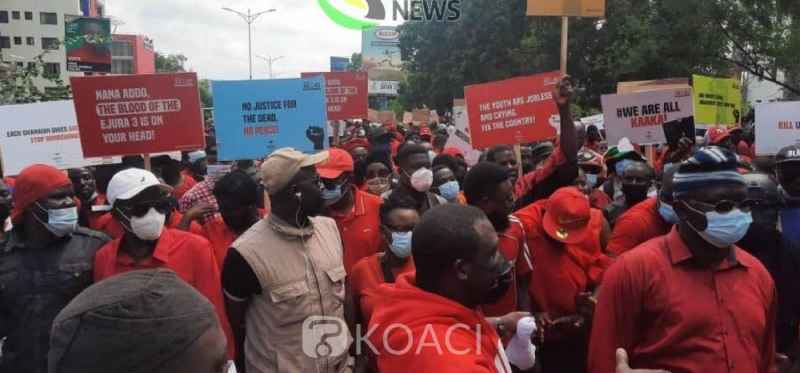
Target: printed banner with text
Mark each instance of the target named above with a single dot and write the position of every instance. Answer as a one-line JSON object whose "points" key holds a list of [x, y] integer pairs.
{"points": [[43, 132], [345, 94], [640, 116], [513, 111], [716, 101], [256, 117], [778, 126], [138, 114]]}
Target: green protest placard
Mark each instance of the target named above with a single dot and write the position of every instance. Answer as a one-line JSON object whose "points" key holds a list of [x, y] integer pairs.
{"points": [[716, 101]]}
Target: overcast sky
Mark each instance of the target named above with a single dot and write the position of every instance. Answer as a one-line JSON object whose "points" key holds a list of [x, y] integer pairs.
{"points": [[215, 41]]}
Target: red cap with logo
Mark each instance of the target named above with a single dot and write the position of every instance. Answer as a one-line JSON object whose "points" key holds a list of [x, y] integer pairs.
{"points": [[339, 161], [567, 216], [717, 135]]}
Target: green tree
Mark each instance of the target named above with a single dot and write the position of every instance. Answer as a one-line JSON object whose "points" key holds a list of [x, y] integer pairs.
{"points": [[170, 63], [17, 84], [355, 62]]}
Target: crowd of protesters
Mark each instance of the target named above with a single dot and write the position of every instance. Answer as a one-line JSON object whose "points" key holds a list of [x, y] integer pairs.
{"points": [[568, 258]]}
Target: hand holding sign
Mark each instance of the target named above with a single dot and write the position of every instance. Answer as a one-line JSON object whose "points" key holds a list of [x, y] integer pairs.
{"points": [[563, 92]]}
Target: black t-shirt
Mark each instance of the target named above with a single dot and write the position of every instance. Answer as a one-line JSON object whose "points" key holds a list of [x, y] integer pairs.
{"points": [[238, 278]]}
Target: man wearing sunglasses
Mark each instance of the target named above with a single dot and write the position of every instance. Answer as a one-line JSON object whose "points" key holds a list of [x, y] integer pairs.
{"points": [[45, 261], [691, 301], [357, 213], [140, 204]]}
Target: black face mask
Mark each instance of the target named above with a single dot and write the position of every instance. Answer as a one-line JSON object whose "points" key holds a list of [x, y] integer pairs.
{"points": [[635, 193], [500, 287]]}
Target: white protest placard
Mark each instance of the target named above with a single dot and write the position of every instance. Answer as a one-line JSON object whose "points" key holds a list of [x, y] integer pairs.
{"points": [[777, 126], [459, 135], [640, 116], [44, 132], [594, 120]]}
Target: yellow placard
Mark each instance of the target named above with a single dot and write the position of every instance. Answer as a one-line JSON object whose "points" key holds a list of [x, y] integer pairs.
{"points": [[570, 8], [716, 100]]}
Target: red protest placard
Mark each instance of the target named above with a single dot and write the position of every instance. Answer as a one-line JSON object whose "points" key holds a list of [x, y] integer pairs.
{"points": [[345, 94], [513, 111], [138, 114]]}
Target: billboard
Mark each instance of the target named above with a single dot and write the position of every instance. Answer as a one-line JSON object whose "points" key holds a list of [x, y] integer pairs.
{"points": [[380, 53], [513, 111], [87, 42], [255, 117], [138, 114], [570, 8]]}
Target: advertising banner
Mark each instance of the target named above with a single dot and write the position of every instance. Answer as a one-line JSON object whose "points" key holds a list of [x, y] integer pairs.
{"points": [[570, 8], [778, 126], [513, 111], [138, 114], [345, 94], [380, 53], [716, 101], [43, 132], [640, 116], [88, 44], [256, 117]]}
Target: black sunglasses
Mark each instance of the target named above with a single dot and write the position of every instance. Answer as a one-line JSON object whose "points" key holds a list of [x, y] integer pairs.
{"points": [[141, 209]]}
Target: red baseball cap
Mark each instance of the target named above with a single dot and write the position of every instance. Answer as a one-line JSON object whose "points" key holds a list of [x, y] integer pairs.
{"points": [[339, 161], [455, 152], [717, 135], [425, 131], [567, 216]]}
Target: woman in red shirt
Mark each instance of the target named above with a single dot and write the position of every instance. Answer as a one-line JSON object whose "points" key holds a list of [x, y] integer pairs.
{"points": [[399, 216]]}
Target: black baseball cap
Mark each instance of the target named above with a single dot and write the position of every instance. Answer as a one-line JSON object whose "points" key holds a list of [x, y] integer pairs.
{"points": [[788, 154]]}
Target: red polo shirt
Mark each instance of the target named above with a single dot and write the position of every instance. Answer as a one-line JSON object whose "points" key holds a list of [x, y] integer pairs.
{"points": [[360, 228], [110, 226], [670, 314], [562, 271], [367, 274], [189, 255], [636, 226], [514, 247]]}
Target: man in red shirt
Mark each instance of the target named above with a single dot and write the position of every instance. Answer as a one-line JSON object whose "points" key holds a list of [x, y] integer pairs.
{"points": [[488, 187], [357, 214], [691, 301], [652, 218], [140, 204], [237, 195], [567, 239]]}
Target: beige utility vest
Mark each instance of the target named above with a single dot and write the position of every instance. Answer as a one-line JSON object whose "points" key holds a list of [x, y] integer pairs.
{"points": [[301, 275]]}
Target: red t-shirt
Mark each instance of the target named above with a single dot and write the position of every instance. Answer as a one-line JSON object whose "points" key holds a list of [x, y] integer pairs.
{"points": [[188, 183], [367, 274], [360, 228], [562, 271], [527, 182], [189, 255], [668, 313], [95, 217], [636, 226]]}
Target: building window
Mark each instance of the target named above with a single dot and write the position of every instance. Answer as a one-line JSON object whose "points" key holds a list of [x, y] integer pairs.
{"points": [[30, 40], [29, 16], [20, 65], [121, 49], [47, 18], [52, 70], [31, 65], [121, 66], [50, 43], [15, 14], [3, 16], [5, 42], [17, 40]]}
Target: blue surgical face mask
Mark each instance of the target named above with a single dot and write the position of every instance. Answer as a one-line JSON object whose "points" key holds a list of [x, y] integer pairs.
{"points": [[591, 180], [449, 190], [60, 222], [667, 212], [724, 230], [401, 244], [620, 166], [331, 196]]}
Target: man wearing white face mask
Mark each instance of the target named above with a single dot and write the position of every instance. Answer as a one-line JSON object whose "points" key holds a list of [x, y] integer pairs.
{"points": [[45, 261], [691, 300], [416, 177], [139, 202]]}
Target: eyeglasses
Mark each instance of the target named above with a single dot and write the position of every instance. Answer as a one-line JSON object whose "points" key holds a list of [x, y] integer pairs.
{"points": [[724, 206], [141, 209]]}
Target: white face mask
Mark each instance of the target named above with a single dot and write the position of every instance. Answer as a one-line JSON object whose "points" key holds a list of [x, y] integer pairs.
{"points": [[422, 180], [149, 226]]}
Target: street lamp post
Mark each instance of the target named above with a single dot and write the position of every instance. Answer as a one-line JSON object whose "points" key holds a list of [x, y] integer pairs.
{"points": [[270, 61], [249, 18]]}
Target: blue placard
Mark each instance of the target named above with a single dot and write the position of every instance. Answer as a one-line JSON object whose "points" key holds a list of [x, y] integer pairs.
{"points": [[339, 63], [253, 118]]}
